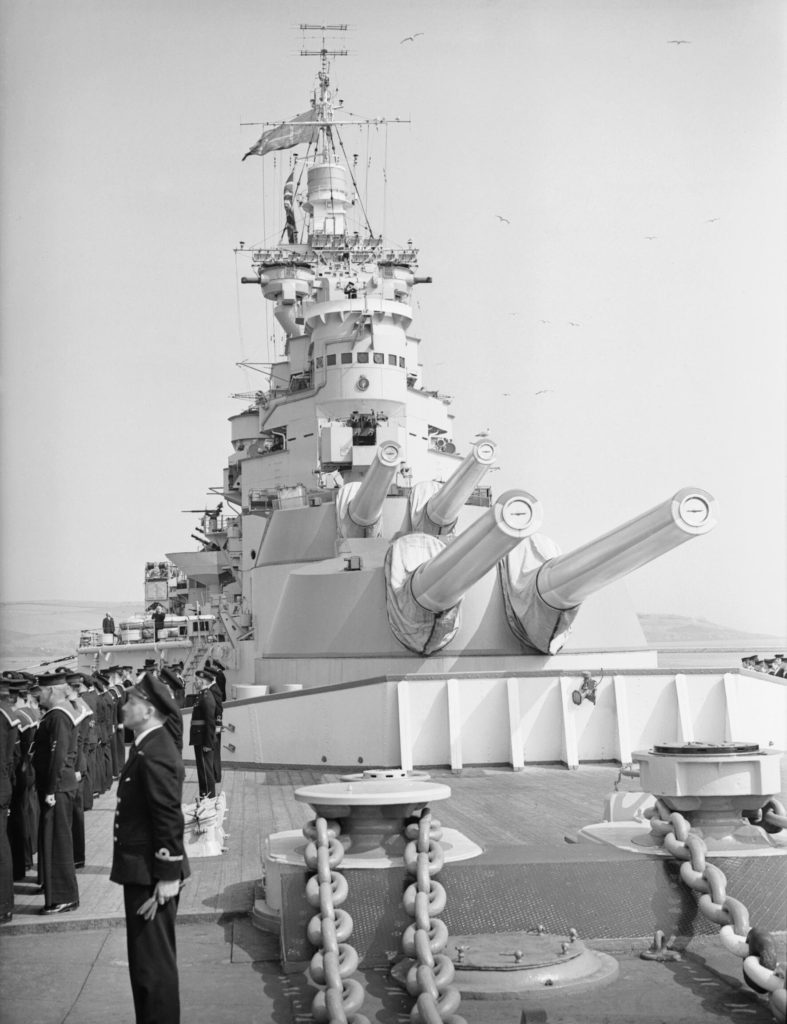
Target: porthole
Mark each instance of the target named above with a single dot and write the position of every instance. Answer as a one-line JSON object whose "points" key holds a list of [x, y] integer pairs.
{"points": [[362, 383]]}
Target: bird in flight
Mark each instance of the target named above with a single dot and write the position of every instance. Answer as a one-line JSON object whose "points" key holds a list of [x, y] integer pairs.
{"points": [[651, 238], [504, 219], [410, 39], [543, 391], [679, 42], [712, 220], [573, 323], [545, 321]]}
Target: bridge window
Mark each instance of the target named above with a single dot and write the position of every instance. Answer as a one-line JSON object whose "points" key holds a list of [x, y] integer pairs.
{"points": [[319, 361], [378, 357], [363, 357], [347, 357], [401, 361], [330, 360], [392, 360]]}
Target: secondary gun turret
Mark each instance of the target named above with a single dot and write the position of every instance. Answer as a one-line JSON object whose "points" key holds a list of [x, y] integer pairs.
{"points": [[434, 508], [359, 504], [542, 601], [426, 578]]}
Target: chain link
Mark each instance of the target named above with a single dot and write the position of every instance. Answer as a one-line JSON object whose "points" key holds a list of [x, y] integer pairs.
{"points": [[335, 959], [755, 946], [430, 979]]}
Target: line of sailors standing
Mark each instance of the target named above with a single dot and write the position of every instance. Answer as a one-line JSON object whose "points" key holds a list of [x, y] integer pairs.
{"points": [[775, 666], [62, 743]]}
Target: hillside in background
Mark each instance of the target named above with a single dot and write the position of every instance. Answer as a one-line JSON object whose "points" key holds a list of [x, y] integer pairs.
{"points": [[680, 629], [34, 632]]}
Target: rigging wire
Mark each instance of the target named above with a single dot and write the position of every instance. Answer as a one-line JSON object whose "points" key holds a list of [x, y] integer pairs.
{"points": [[240, 320], [348, 165], [368, 162], [385, 180]]}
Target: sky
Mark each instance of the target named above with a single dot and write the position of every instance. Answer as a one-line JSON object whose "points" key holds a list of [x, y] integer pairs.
{"points": [[620, 333]]}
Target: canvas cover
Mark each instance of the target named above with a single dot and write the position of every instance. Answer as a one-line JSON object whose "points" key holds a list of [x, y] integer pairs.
{"points": [[417, 628], [533, 622]]}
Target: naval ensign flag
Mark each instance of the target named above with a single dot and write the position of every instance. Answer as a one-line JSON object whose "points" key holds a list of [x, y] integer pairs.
{"points": [[286, 135]]}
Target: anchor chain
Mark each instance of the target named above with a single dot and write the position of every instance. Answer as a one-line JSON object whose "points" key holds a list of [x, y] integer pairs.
{"points": [[755, 946], [772, 816], [335, 960], [430, 979]]}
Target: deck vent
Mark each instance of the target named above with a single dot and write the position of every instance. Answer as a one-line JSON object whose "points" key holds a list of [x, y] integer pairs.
{"points": [[353, 564]]}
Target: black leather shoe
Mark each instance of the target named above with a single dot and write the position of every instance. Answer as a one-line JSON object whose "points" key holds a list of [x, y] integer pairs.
{"points": [[79, 864], [5, 918], [59, 908]]}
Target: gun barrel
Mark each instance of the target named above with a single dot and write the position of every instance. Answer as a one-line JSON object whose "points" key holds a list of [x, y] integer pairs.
{"points": [[444, 507], [565, 581], [439, 583], [367, 504]]}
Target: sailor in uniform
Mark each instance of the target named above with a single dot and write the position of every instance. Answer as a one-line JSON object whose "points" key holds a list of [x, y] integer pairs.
{"points": [[8, 750], [103, 779], [118, 746], [82, 716], [149, 858], [23, 815], [54, 759], [90, 780], [202, 733]]}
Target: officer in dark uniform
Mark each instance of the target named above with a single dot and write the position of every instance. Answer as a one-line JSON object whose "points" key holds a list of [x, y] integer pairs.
{"points": [[54, 759], [8, 751], [215, 689], [202, 734], [149, 858], [217, 669], [173, 677], [174, 720]]}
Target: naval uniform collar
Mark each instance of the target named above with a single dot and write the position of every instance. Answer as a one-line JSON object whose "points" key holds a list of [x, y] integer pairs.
{"points": [[140, 737]]}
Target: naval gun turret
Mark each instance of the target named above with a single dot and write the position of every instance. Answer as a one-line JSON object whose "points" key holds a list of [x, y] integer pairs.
{"points": [[435, 508], [359, 504], [426, 578], [542, 601]]}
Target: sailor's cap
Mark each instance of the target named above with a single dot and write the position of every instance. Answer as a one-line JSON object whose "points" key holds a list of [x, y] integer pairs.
{"points": [[151, 689], [50, 679], [205, 673]]}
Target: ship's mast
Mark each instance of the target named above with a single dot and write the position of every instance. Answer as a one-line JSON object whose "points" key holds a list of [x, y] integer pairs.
{"points": [[324, 102]]}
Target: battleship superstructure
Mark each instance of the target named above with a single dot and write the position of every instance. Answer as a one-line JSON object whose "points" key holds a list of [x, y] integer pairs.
{"points": [[363, 544], [349, 480]]}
